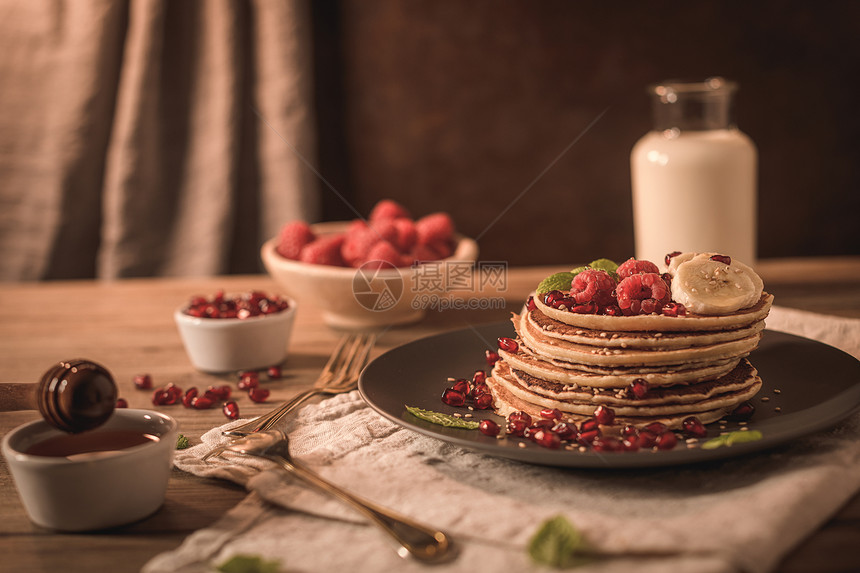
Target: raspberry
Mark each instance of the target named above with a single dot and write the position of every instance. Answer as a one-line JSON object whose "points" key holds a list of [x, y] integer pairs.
{"points": [[383, 252], [324, 251], [435, 228], [593, 285], [388, 209], [292, 238], [385, 229], [357, 243], [421, 253], [642, 294], [407, 234], [632, 267]]}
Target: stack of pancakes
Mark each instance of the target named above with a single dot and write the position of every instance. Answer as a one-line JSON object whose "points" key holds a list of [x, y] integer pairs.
{"points": [[693, 365]]}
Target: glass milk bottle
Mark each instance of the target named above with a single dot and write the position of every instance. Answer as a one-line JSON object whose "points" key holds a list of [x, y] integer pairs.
{"points": [[694, 175]]}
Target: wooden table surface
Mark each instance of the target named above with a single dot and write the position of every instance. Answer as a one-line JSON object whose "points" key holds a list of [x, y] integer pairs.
{"points": [[128, 326]]}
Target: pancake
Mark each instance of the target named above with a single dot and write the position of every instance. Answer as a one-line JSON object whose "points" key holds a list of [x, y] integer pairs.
{"points": [[544, 345], [506, 403], [567, 373], [661, 323], [636, 339], [744, 379]]}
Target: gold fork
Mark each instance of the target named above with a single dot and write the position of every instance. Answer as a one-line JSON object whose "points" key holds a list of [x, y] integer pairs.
{"points": [[339, 375]]}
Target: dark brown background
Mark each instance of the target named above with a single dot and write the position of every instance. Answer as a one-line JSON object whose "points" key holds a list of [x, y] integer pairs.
{"points": [[460, 106]]}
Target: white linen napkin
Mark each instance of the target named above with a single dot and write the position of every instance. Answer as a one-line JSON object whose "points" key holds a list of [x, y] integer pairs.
{"points": [[740, 514]]}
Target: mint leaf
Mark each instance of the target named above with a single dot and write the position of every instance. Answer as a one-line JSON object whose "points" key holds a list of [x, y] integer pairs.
{"points": [[558, 281], [442, 419], [182, 442], [610, 267], [249, 564], [737, 437], [558, 543], [741, 437]]}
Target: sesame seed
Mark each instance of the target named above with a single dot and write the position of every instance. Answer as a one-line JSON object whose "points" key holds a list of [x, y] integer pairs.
{"points": [[521, 444], [458, 415], [777, 409], [765, 399], [744, 429], [468, 416], [777, 391]]}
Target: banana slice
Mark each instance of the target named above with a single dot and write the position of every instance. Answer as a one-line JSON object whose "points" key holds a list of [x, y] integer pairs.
{"points": [[706, 286]]}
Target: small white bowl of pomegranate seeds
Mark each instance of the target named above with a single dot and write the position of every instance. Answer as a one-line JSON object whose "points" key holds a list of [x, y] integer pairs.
{"points": [[229, 332]]}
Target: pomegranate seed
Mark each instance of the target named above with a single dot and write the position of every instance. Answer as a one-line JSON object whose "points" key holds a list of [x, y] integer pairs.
{"points": [[508, 344], [220, 392], [543, 423], [516, 427], [249, 380], [667, 278], [489, 428], [640, 387], [188, 398], [521, 416], [564, 430], [564, 303], [479, 377], [480, 389], [530, 304], [671, 256], [667, 441], [453, 398], [462, 386], [725, 259], [231, 410], [143, 382], [274, 372], [201, 403], [491, 357], [589, 424], [552, 296], [258, 394], [121, 403], [587, 308], [550, 413], [629, 430], [631, 443], [694, 428], [606, 444], [586, 437], [657, 428], [547, 439], [742, 413], [483, 401], [674, 309], [167, 396], [604, 415], [611, 310], [647, 439]]}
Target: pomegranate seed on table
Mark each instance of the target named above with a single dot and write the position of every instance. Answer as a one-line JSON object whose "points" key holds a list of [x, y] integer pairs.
{"points": [[546, 438], [121, 403], [231, 410], [201, 403], [629, 430], [516, 427], [742, 413], [631, 443], [220, 392], [274, 372], [258, 394], [589, 424], [143, 381], [492, 357], [189, 397], [606, 444], [248, 380], [647, 439], [489, 428], [564, 430], [479, 377]]}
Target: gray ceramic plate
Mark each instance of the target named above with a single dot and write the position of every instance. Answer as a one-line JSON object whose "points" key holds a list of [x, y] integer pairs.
{"points": [[814, 385]]}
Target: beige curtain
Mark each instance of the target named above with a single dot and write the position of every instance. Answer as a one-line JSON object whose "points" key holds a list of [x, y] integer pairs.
{"points": [[151, 137]]}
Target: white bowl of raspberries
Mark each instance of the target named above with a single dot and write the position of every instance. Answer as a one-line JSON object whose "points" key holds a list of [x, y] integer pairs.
{"points": [[367, 273]]}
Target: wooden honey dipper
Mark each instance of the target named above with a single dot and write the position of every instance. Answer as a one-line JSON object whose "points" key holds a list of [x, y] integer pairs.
{"points": [[73, 396]]}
